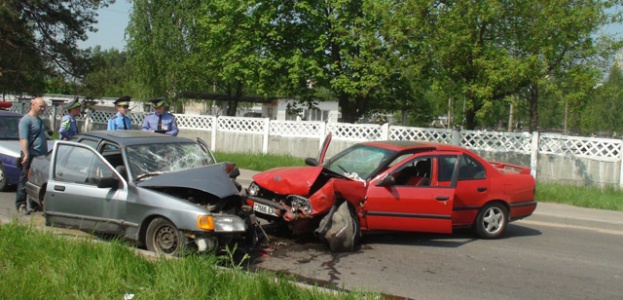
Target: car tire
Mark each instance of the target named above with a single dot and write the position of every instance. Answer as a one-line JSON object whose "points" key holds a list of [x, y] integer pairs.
{"points": [[163, 237], [343, 233], [4, 180], [491, 221]]}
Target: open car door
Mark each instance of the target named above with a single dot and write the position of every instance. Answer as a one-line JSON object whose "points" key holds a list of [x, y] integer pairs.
{"points": [[325, 146]]}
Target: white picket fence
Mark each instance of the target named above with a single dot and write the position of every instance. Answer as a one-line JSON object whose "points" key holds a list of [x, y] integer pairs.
{"points": [[530, 144]]}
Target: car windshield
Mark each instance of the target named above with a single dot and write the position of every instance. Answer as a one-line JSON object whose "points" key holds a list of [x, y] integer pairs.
{"points": [[9, 128], [359, 161], [161, 158]]}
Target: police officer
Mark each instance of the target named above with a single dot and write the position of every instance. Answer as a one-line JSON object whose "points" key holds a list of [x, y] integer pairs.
{"points": [[161, 121], [120, 121], [68, 126]]}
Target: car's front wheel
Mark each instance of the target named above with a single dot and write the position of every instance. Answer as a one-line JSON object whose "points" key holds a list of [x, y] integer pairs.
{"points": [[4, 181], [164, 238], [491, 221], [343, 234]]}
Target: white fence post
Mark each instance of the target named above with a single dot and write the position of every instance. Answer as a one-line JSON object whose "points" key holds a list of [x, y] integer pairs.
{"points": [[534, 153], [266, 136], [456, 136], [87, 122], [385, 131], [621, 162], [214, 131]]}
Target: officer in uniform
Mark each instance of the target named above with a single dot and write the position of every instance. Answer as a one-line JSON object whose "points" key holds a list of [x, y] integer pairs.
{"points": [[68, 126], [161, 121], [120, 121]]}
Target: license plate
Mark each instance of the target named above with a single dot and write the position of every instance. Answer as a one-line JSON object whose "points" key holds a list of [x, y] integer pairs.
{"points": [[265, 209]]}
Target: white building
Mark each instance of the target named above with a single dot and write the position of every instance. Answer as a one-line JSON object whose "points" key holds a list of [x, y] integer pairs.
{"points": [[275, 110]]}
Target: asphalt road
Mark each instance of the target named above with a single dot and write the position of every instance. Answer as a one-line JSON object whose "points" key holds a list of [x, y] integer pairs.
{"points": [[560, 252]]}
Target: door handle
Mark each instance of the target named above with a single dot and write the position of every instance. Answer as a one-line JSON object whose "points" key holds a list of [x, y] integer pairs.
{"points": [[481, 189], [441, 198], [59, 188]]}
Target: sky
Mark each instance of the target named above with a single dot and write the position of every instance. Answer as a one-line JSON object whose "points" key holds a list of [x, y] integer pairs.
{"points": [[111, 25]]}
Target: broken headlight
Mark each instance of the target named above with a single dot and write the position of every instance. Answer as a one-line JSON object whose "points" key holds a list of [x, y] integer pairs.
{"points": [[253, 189], [300, 203]]}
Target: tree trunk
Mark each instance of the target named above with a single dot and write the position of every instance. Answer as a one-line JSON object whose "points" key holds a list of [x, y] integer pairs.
{"points": [[347, 109], [534, 108]]}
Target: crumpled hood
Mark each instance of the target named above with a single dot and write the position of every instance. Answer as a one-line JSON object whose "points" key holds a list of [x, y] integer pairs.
{"points": [[288, 180], [211, 179]]}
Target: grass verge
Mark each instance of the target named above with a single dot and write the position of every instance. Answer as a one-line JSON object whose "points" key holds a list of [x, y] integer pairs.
{"points": [[590, 197], [36, 264]]}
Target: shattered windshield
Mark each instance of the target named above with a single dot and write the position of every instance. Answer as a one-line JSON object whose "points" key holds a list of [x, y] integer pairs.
{"points": [[358, 162], [160, 158]]}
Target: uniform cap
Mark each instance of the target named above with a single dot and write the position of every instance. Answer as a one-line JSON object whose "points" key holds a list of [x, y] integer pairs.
{"points": [[72, 104], [158, 102], [125, 100]]}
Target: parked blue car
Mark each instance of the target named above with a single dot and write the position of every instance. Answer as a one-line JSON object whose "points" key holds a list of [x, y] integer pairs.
{"points": [[9, 148]]}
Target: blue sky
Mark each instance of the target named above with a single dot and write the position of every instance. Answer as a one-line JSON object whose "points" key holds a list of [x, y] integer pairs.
{"points": [[111, 25], [113, 20]]}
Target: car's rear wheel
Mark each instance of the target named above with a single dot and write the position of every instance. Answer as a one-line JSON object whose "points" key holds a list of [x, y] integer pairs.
{"points": [[164, 238], [491, 221], [4, 181], [343, 234]]}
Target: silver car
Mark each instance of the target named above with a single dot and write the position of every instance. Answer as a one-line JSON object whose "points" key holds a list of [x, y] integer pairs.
{"points": [[166, 193]]}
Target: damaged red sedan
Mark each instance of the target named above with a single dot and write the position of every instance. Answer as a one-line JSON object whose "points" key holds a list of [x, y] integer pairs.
{"points": [[394, 186]]}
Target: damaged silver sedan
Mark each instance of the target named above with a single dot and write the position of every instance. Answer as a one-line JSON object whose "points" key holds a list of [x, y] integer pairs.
{"points": [[165, 193]]}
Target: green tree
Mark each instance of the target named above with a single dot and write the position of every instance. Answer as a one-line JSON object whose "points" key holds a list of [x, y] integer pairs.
{"points": [[556, 47], [161, 47], [604, 112], [109, 75], [39, 38]]}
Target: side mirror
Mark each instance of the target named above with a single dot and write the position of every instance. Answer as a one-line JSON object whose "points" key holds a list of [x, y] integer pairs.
{"points": [[107, 182], [234, 173], [310, 161], [387, 181]]}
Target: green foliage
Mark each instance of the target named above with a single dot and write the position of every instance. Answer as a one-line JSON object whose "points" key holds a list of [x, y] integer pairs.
{"points": [[109, 76], [260, 162], [483, 63], [603, 114], [39, 38], [590, 197]]}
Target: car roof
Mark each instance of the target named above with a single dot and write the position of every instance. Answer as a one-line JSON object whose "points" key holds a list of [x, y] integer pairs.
{"points": [[134, 137], [413, 145], [6, 113]]}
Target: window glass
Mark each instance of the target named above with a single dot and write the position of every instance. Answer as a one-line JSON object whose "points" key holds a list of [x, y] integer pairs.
{"points": [[9, 128], [109, 147], [359, 160], [159, 158], [89, 142], [446, 167], [471, 169], [416, 172], [79, 165]]}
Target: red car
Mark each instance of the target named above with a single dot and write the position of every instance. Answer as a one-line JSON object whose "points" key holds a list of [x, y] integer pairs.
{"points": [[395, 186]]}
